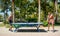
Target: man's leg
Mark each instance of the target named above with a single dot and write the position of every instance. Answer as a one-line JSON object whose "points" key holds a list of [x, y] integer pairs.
{"points": [[48, 26], [53, 27], [10, 29]]}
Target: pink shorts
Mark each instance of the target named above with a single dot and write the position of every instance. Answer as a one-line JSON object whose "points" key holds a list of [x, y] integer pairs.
{"points": [[51, 21]]}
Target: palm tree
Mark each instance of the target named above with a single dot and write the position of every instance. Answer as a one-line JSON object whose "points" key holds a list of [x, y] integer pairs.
{"points": [[13, 9], [56, 9], [39, 11]]}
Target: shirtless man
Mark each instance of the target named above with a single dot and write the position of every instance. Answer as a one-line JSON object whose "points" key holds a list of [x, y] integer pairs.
{"points": [[50, 20], [10, 21]]}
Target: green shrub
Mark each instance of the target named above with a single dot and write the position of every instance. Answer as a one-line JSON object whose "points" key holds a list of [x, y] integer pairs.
{"points": [[2, 25], [5, 22], [31, 19], [45, 23], [7, 25]]}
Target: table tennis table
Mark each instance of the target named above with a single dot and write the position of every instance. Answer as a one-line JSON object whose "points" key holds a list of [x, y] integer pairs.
{"points": [[18, 25]]}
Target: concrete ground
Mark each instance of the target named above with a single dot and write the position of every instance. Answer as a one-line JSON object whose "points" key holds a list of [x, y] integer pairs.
{"points": [[4, 32], [1, 22]]}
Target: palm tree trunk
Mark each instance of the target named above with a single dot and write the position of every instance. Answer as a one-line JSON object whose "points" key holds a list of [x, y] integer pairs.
{"points": [[56, 10], [13, 9], [39, 11]]}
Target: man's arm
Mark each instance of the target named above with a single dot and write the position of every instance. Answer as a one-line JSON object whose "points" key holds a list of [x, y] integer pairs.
{"points": [[8, 18]]}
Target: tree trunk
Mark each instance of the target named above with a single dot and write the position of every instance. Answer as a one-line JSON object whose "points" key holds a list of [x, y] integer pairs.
{"points": [[56, 10], [39, 11], [13, 9]]}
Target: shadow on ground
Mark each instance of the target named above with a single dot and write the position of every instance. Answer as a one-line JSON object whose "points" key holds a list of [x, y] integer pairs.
{"points": [[55, 30], [31, 30]]}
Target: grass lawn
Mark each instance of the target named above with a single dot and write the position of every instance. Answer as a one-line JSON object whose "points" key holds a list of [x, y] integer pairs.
{"points": [[2, 25], [7, 25]]}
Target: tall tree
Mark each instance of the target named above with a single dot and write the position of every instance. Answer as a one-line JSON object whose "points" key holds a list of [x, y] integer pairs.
{"points": [[56, 9], [13, 9], [39, 10]]}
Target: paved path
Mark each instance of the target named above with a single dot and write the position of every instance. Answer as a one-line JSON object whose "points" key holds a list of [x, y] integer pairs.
{"points": [[4, 32], [1, 22]]}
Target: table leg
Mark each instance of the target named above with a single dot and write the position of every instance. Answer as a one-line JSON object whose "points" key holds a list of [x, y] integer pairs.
{"points": [[38, 28], [16, 28]]}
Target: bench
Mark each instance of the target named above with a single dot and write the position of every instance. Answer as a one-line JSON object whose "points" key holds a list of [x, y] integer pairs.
{"points": [[17, 25]]}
